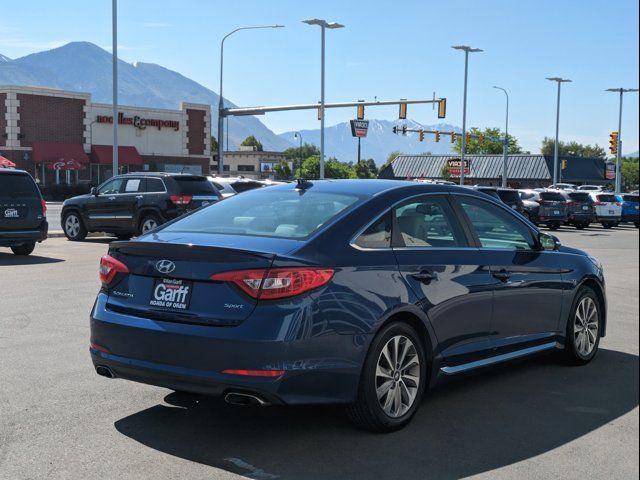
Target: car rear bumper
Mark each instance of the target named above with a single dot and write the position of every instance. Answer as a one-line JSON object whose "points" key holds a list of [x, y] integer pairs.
{"points": [[320, 369], [582, 217], [609, 218], [560, 218], [10, 238]]}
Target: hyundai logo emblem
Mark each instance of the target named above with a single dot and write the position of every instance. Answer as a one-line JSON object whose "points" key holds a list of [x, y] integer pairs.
{"points": [[165, 266]]}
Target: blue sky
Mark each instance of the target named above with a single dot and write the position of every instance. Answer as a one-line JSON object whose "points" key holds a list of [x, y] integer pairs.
{"points": [[388, 49]]}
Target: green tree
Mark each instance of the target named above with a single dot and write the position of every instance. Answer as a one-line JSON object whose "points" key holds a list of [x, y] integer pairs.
{"points": [[362, 169], [332, 169], [629, 174], [390, 158], [282, 170], [572, 148], [214, 146], [252, 141], [373, 168], [296, 153], [445, 173], [491, 143]]}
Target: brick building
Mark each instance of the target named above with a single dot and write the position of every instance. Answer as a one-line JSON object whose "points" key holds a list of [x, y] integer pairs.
{"points": [[62, 136]]}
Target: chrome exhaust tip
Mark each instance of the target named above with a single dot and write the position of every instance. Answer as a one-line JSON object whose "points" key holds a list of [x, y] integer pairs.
{"points": [[245, 399], [104, 371]]}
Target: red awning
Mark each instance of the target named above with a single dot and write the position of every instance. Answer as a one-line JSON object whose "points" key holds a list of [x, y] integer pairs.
{"points": [[50, 153], [6, 163], [103, 154], [66, 165]]}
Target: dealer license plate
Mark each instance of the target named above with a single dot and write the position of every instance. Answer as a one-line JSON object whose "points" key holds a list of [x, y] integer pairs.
{"points": [[171, 294]]}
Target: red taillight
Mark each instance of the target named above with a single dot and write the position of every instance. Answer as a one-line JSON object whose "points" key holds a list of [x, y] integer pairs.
{"points": [[44, 207], [599, 203], [181, 200], [571, 204], [255, 373], [271, 284], [109, 267], [100, 348]]}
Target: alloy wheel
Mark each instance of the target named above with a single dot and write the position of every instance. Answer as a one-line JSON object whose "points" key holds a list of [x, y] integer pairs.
{"points": [[72, 226], [397, 376], [586, 326], [149, 224]]}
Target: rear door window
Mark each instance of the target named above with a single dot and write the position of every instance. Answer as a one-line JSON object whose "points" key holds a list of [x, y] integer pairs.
{"points": [[580, 197], [155, 185], [193, 185], [552, 197], [18, 185], [133, 185], [427, 222]]}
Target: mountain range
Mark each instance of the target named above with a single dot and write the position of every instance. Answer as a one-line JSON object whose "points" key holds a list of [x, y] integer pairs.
{"points": [[85, 67]]}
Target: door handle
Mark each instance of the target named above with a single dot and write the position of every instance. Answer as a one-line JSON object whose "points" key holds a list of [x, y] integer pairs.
{"points": [[112, 198], [139, 197], [502, 275], [425, 276]]}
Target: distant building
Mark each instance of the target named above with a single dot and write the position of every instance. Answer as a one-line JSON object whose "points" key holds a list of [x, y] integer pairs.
{"points": [[249, 162], [62, 136], [524, 170]]}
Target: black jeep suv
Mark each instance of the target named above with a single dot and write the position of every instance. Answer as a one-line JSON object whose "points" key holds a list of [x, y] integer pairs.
{"points": [[23, 212], [135, 203]]}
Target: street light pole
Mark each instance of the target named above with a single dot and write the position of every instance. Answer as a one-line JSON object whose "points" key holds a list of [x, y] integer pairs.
{"points": [[560, 81], [323, 24], [221, 99], [622, 91], [463, 149], [114, 53], [299, 135], [506, 141]]}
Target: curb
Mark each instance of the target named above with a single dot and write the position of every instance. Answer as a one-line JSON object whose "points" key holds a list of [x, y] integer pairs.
{"points": [[60, 234]]}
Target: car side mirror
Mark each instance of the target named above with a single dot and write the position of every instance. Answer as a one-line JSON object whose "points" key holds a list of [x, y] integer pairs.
{"points": [[94, 191], [548, 242]]}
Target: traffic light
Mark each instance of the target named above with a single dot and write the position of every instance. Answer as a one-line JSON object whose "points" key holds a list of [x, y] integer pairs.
{"points": [[453, 137], [613, 143], [564, 164], [394, 130], [442, 108], [404, 129], [437, 136], [360, 114], [402, 115], [467, 138], [421, 135], [319, 113]]}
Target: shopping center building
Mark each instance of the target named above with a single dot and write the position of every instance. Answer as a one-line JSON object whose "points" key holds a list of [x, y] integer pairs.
{"points": [[61, 136]]}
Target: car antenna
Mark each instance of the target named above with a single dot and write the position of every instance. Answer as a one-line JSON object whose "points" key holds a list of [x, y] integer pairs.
{"points": [[303, 184]]}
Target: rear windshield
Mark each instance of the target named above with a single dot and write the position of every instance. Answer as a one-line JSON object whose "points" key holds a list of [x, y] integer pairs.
{"points": [[607, 198], [552, 197], [268, 213], [527, 195], [18, 185], [580, 197], [195, 186], [509, 195], [630, 198], [244, 186]]}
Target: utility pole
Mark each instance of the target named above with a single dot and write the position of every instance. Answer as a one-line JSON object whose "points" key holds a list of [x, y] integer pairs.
{"points": [[114, 54], [560, 81], [506, 142], [621, 91]]}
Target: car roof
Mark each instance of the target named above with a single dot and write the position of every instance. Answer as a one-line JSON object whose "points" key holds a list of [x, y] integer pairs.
{"points": [[13, 171], [159, 174]]}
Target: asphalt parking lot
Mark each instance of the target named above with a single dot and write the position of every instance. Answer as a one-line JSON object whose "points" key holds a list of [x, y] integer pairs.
{"points": [[535, 419]]}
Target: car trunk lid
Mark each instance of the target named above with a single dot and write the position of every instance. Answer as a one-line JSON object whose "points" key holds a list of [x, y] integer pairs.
{"points": [[21, 206]]}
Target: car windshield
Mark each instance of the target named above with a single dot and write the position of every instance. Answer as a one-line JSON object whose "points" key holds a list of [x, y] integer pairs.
{"points": [[580, 197], [552, 197], [508, 195], [192, 185], [18, 185], [267, 213]]}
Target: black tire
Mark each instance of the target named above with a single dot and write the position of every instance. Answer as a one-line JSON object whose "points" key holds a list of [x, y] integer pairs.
{"points": [[73, 227], [572, 351], [607, 226], [366, 412], [637, 224], [553, 226], [146, 221], [123, 236], [581, 226], [24, 249]]}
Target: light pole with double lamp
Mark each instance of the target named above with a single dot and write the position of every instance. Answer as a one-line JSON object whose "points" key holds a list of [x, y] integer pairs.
{"points": [[221, 101], [467, 50], [560, 81], [506, 141], [621, 91], [323, 24], [298, 135]]}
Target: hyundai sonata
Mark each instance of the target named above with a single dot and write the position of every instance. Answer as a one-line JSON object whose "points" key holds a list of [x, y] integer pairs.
{"points": [[361, 292]]}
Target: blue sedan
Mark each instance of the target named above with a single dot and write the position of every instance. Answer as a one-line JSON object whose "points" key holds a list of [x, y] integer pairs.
{"points": [[361, 292]]}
